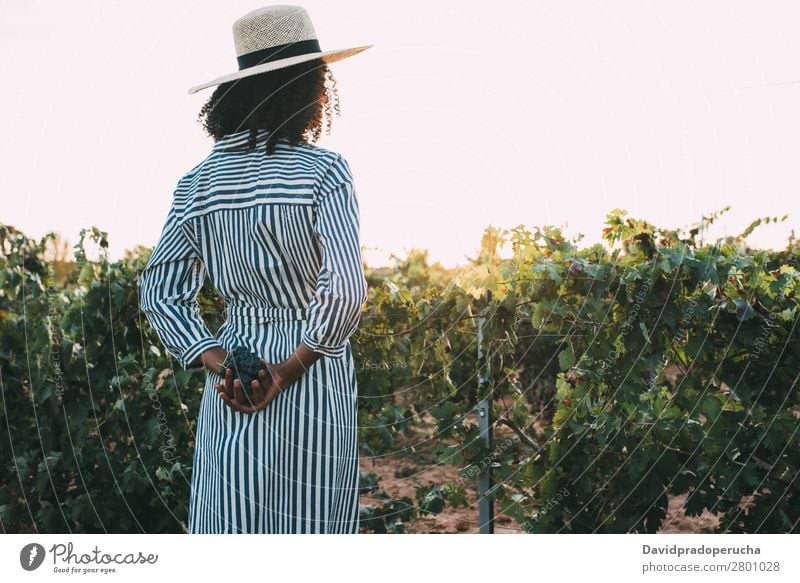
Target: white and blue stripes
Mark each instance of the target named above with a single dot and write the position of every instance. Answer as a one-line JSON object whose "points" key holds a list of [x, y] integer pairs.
{"points": [[279, 237]]}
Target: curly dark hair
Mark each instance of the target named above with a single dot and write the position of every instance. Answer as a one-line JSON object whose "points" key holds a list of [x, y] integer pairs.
{"points": [[295, 102]]}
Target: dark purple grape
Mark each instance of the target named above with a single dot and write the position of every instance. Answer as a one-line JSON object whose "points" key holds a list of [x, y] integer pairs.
{"points": [[245, 365]]}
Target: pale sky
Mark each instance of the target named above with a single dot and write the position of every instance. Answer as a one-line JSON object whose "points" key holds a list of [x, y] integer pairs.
{"points": [[463, 114]]}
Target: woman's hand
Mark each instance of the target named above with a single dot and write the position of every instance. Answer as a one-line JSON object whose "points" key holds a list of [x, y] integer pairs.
{"points": [[265, 389], [213, 358], [262, 392]]}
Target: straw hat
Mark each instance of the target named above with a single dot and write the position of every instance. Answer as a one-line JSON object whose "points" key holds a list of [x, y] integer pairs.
{"points": [[274, 37]]}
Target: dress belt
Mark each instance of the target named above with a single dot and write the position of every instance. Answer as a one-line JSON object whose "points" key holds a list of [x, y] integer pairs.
{"points": [[265, 313]]}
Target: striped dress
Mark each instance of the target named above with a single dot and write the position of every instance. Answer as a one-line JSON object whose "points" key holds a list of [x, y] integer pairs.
{"points": [[278, 236]]}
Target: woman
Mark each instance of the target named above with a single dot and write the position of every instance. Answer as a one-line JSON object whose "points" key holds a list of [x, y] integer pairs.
{"points": [[273, 219]]}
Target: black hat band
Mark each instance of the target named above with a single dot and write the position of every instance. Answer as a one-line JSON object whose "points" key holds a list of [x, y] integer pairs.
{"points": [[293, 49]]}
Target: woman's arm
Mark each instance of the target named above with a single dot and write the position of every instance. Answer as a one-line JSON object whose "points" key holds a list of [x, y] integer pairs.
{"points": [[341, 289], [170, 282]]}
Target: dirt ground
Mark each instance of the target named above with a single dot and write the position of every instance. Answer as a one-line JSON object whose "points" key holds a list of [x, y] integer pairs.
{"points": [[401, 473]]}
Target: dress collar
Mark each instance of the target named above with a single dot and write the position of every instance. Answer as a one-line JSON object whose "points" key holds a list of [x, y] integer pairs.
{"points": [[239, 140]]}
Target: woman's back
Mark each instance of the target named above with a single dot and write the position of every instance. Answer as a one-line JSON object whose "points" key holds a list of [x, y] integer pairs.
{"points": [[252, 218], [277, 235]]}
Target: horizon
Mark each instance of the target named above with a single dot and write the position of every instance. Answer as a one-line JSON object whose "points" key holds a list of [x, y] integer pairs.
{"points": [[711, 234]]}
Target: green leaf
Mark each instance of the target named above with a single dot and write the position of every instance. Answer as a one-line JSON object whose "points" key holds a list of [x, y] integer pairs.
{"points": [[445, 411], [711, 407], [553, 272], [433, 501], [744, 311], [537, 317], [645, 333], [566, 358]]}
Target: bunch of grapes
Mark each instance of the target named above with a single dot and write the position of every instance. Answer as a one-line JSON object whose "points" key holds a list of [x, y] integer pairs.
{"points": [[245, 365]]}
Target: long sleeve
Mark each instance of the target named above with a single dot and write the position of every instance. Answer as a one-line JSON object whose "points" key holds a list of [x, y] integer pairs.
{"points": [[341, 289], [168, 295]]}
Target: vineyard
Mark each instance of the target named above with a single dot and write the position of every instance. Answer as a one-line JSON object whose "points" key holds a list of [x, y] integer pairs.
{"points": [[654, 367]]}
